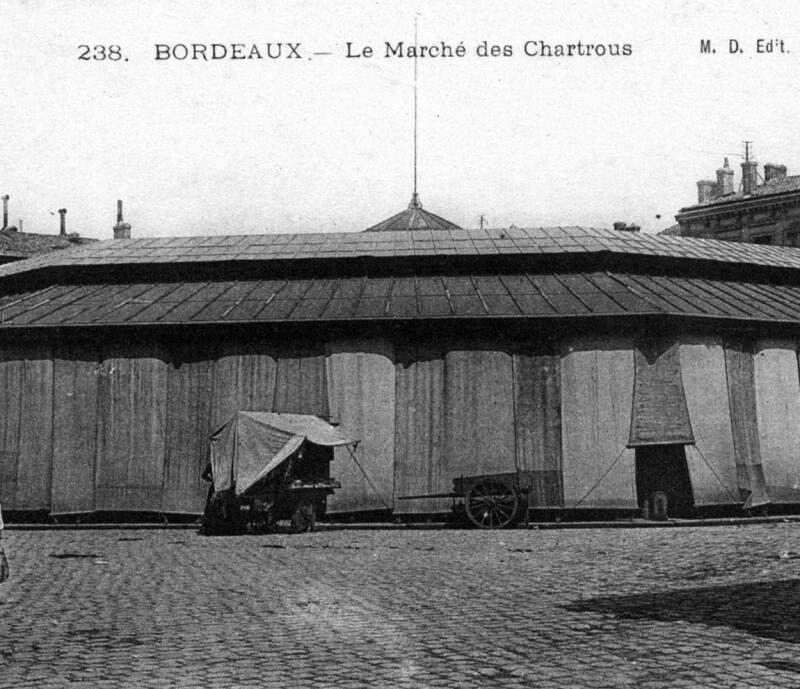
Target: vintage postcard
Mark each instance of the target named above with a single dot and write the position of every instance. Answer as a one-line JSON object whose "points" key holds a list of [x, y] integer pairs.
{"points": [[389, 344]]}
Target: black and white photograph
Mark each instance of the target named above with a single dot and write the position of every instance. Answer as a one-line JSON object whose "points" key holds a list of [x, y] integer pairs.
{"points": [[394, 344]]}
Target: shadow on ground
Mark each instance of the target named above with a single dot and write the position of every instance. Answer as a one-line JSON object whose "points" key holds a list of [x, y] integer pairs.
{"points": [[769, 609]]}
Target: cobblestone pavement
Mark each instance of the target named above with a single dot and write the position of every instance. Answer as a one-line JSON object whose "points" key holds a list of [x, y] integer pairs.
{"points": [[645, 608]]}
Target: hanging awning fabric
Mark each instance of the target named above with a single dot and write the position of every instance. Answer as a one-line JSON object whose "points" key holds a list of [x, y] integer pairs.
{"points": [[659, 403], [251, 444]]}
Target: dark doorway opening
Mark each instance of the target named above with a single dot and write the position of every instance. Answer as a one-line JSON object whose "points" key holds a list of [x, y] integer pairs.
{"points": [[663, 486]]}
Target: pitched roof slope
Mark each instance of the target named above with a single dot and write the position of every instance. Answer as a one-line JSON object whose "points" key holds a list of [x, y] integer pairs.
{"points": [[436, 243], [517, 295]]}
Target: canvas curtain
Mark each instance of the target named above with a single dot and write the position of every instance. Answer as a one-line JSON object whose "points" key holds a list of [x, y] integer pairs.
{"points": [[26, 432], [300, 386], [35, 431], [131, 428], [419, 429], [711, 460], [596, 396], [189, 392], [10, 408], [128, 429], [537, 406], [778, 411], [361, 397], [744, 419], [75, 413], [479, 420], [244, 380]]}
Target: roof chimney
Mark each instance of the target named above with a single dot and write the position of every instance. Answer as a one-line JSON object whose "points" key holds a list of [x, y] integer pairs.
{"points": [[5, 198], [63, 213], [724, 179], [122, 230], [749, 170], [773, 171], [706, 189], [621, 226], [749, 176]]}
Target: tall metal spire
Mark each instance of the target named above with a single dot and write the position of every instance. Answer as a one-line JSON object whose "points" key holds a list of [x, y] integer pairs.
{"points": [[414, 217], [415, 202]]}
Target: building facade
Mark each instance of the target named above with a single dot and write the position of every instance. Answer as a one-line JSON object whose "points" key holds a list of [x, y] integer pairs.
{"points": [[609, 366]]}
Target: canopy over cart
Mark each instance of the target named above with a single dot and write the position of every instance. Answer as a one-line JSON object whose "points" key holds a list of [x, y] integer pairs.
{"points": [[266, 467]]}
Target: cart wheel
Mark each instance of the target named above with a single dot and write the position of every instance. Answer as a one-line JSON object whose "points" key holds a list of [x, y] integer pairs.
{"points": [[304, 518], [491, 504]]}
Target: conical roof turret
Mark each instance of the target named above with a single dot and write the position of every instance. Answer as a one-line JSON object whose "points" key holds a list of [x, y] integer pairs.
{"points": [[413, 218]]}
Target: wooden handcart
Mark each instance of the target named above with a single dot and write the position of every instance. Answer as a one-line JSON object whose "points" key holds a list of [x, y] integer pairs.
{"points": [[291, 507], [494, 501], [490, 501]]}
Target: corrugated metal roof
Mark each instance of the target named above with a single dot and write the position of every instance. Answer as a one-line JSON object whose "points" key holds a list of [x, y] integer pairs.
{"points": [[487, 242], [520, 295]]}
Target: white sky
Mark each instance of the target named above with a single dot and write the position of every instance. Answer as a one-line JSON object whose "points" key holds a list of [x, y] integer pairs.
{"points": [[325, 144]]}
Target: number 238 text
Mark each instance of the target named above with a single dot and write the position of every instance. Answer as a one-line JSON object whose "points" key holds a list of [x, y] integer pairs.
{"points": [[101, 52]]}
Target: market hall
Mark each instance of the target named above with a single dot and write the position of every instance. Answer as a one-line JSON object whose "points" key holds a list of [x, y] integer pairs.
{"points": [[608, 366]]}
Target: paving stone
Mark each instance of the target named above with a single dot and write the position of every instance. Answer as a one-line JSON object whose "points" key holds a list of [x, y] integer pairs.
{"points": [[712, 606]]}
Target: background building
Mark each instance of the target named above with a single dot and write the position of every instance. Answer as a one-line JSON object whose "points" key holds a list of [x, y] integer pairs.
{"points": [[762, 209], [16, 244], [612, 365]]}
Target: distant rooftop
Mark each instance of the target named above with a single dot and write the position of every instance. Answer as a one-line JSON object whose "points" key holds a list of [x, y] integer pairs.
{"points": [[14, 244], [722, 191], [774, 186]]}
